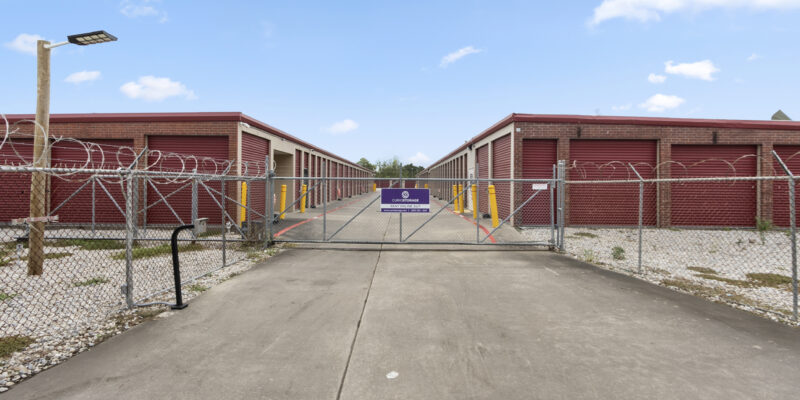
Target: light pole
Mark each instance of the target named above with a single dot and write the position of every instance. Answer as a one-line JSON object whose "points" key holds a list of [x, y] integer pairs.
{"points": [[41, 156]]}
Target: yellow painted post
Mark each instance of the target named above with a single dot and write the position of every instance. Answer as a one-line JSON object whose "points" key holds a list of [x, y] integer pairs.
{"points": [[461, 198], [455, 199], [493, 205], [475, 201], [426, 186], [303, 199], [243, 208], [283, 201], [374, 186]]}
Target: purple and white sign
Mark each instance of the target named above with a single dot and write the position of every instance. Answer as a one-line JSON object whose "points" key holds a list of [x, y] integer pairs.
{"points": [[405, 200]]}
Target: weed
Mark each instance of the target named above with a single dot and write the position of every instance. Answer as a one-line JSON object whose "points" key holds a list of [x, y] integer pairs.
{"points": [[6, 296], [589, 256], [585, 234], [763, 225], [703, 270], [618, 253], [160, 250], [272, 251], [53, 256], [771, 280], [12, 344], [733, 282], [210, 232], [147, 314], [91, 282], [197, 288], [672, 228]]}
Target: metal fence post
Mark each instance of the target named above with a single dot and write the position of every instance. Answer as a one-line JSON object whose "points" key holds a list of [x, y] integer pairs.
{"points": [[324, 200], [561, 203], [793, 229], [268, 203], [224, 224], [93, 203], [641, 210], [130, 215], [194, 201], [552, 210], [401, 213]]}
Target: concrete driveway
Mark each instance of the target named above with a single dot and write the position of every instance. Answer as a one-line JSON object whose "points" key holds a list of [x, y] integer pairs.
{"points": [[395, 323]]}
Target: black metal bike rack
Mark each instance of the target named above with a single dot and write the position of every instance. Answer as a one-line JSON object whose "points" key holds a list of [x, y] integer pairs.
{"points": [[176, 267]]}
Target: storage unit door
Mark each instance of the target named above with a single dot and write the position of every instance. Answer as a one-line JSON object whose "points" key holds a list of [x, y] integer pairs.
{"points": [[254, 152], [780, 189], [713, 203], [611, 204], [482, 156], [78, 208], [538, 158], [16, 187], [208, 147], [501, 169]]}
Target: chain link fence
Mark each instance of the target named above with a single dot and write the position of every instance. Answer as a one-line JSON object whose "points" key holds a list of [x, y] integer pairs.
{"points": [[728, 238]]}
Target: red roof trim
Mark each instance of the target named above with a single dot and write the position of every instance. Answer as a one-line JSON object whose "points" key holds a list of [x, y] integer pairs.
{"points": [[610, 120], [179, 117]]}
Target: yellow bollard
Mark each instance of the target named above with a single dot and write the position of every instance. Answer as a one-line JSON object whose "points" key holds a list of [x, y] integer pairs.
{"points": [[374, 186], [493, 205], [243, 209], [283, 201], [461, 199], [455, 199], [426, 186], [303, 198], [475, 201]]}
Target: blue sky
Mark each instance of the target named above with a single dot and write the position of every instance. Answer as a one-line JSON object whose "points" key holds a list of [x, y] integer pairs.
{"points": [[409, 78]]}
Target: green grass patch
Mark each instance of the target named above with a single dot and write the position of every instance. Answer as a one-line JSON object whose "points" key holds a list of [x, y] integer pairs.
{"points": [[589, 256], [90, 282], [160, 250], [729, 281], [771, 280], [197, 288], [6, 257], [618, 253], [6, 296], [210, 232], [702, 270], [89, 244], [11, 344], [585, 234], [53, 256], [763, 225]]}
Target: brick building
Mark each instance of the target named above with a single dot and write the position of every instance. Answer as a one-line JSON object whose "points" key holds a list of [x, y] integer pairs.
{"points": [[204, 141], [525, 146]]}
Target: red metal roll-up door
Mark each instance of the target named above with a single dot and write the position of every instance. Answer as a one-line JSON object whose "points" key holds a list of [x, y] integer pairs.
{"points": [[538, 158], [254, 152], [713, 203], [77, 209], [611, 204], [16, 187], [501, 169], [780, 189], [482, 156], [210, 147]]}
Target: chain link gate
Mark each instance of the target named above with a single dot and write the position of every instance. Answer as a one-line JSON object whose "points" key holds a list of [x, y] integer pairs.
{"points": [[347, 210]]}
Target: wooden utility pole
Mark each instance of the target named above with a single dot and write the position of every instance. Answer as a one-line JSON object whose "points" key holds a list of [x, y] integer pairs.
{"points": [[40, 160]]}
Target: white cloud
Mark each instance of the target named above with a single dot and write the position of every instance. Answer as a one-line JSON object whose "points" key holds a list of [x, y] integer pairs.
{"points": [[699, 70], [457, 55], [151, 88], [24, 43], [753, 57], [624, 107], [343, 126], [419, 159], [653, 78], [142, 8], [651, 10], [82, 76], [661, 102]]}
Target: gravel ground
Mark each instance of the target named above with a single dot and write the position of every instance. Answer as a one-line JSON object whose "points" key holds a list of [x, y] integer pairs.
{"points": [[78, 301], [745, 268]]}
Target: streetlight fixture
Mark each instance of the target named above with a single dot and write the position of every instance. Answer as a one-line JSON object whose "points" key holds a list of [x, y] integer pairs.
{"points": [[41, 158]]}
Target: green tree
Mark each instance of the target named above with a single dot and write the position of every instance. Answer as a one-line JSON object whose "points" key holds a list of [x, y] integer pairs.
{"points": [[366, 164]]}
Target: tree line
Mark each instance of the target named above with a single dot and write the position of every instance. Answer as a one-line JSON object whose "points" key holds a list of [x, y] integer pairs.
{"points": [[391, 168]]}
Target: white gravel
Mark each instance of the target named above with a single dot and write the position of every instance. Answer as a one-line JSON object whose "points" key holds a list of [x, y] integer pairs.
{"points": [[668, 255], [78, 301]]}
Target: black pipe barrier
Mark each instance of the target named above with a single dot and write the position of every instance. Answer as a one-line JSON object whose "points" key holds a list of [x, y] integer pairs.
{"points": [[176, 267]]}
